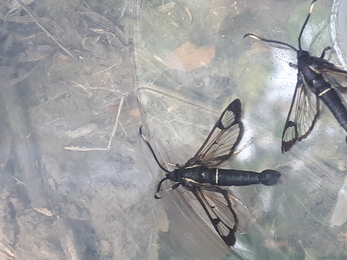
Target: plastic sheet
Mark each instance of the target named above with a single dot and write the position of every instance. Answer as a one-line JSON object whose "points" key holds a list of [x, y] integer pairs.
{"points": [[78, 79], [181, 101], [72, 182]]}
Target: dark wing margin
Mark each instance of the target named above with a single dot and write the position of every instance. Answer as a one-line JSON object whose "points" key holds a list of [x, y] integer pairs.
{"points": [[220, 144], [302, 116], [217, 205]]}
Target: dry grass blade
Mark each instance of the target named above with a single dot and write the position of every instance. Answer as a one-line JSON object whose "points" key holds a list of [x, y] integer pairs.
{"points": [[116, 123]]}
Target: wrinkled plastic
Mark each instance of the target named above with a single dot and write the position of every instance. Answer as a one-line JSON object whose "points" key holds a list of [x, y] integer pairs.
{"points": [[338, 28], [182, 97]]}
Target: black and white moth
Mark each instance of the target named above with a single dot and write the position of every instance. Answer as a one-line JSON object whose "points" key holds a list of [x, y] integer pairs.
{"points": [[317, 80], [201, 175]]}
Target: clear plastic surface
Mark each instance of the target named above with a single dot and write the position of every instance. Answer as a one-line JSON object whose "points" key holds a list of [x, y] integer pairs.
{"points": [[78, 79], [338, 29], [182, 94], [73, 183]]}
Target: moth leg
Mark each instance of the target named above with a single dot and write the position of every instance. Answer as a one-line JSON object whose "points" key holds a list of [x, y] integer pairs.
{"points": [[172, 188], [156, 195], [175, 186], [324, 51], [292, 65]]}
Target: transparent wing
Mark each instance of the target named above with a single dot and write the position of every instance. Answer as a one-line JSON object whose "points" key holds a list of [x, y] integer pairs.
{"points": [[332, 74], [302, 115], [217, 205], [222, 140]]}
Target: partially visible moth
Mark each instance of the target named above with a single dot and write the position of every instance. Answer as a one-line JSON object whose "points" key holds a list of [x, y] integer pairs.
{"points": [[318, 80]]}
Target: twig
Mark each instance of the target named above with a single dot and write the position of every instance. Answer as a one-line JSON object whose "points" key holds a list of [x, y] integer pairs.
{"points": [[7, 250], [114, 65], [25, 75], [123, 11], [43, 28], [19, 181], [189, 14], [116, 123], [114, 129], [83, 149], [89, 94]]}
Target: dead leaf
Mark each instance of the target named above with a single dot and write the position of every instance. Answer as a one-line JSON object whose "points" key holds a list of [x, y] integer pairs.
{"points": [[189, 57]]}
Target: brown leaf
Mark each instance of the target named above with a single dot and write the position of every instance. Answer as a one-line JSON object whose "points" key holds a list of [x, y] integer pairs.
{"points": [[189, 57]]}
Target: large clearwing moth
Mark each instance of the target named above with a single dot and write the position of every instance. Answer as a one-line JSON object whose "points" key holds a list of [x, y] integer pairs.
{"points": [[201, 175]]}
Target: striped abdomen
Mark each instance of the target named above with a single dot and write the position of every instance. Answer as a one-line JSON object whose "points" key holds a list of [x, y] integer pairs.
{"points": [[333, 101], [224, 177]]}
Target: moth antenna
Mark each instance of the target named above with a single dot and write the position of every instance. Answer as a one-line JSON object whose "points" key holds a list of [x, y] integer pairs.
{"points": [[304, 25], [252, 35], [152, 151]]}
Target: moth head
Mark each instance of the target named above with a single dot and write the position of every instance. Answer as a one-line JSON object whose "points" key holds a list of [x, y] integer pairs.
{"points": [[302, 54], [174, 175]]}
